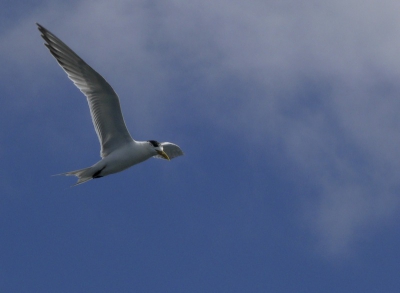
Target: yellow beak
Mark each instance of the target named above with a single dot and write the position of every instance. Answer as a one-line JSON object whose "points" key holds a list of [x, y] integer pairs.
{"points": [[163, 154]]}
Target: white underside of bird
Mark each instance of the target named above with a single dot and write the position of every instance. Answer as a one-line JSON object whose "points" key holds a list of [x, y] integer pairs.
{"points": [[119, 150]]}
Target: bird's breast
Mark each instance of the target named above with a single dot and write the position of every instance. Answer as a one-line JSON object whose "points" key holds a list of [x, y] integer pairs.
{"points": [[124, 158]]}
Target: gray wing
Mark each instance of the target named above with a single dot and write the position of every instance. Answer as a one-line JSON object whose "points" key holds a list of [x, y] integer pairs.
{"points": [[103, 101], [172, 150]]}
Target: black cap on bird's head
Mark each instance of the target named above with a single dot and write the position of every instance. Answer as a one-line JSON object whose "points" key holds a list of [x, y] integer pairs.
{"points": [[154, 143], [159, 148]]}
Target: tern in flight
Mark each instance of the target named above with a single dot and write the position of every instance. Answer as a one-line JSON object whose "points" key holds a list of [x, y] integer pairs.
{"points": [[119, 150]]}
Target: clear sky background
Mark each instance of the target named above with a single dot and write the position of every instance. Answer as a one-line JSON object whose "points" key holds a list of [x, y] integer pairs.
{"points": [[288, 114]]}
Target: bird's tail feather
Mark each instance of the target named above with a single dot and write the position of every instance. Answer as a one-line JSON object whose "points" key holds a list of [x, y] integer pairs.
{"points": [[83, 175]]}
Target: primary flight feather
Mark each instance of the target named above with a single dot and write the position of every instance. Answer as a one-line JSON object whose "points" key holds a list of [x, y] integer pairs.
{"points": [[119, 150]]}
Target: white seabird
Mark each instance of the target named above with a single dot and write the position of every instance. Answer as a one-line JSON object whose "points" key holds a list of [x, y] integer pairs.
{"points": [[119, 150]]}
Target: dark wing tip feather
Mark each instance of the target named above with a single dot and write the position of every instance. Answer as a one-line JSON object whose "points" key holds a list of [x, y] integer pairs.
{"points": [[44, 35], [42, 29], [52, 43], [47, 36]]}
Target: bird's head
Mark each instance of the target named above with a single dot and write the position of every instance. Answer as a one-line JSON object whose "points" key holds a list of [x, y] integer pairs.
{"points": [[158, 148]]}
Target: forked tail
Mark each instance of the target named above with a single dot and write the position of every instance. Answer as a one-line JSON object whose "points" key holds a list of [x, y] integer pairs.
{"points": [[82, 174]]}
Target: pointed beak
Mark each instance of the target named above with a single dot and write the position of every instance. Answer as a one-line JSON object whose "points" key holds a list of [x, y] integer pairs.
{"points": [[163, 154]]}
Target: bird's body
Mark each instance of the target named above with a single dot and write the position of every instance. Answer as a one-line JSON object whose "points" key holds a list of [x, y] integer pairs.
{"points": [[119, 150], [126, 156]]}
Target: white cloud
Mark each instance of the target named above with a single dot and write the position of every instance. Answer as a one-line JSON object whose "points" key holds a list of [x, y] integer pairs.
{"points": [[320, 78]]}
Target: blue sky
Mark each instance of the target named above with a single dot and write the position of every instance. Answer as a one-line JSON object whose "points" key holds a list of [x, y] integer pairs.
{"points": [[288, 116]]}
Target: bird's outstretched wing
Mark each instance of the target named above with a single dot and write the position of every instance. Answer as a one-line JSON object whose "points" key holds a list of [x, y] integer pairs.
{"points": [[172, 150], [103, 101]]}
